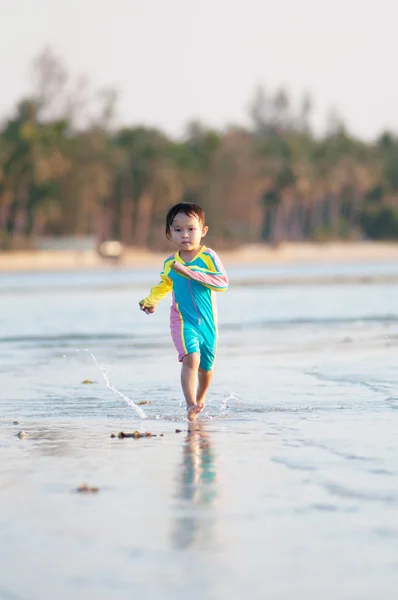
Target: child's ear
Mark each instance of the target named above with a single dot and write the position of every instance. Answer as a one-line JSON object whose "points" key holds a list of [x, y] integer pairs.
{"points": [[204, 231]]}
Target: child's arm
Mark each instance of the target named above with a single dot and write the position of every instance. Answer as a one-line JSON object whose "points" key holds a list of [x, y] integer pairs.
{"points": [[215, 278], [158, 292]]}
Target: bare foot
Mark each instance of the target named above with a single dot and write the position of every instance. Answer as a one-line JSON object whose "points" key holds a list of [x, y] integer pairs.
{"points": [[193, 412]]}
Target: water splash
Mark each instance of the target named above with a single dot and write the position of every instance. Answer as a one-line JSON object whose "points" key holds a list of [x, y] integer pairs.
{"points": [[224, 403], [110, 385]]}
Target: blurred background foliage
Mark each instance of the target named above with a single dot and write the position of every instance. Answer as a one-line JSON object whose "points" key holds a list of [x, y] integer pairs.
{"points": [[67, 170]]}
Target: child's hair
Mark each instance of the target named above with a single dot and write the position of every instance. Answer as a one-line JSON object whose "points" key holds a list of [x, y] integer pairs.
{"points": [[187, 208]]}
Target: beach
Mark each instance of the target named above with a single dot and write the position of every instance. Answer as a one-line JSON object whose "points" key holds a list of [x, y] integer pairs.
{"points": [[287, 484], [296, 253]]}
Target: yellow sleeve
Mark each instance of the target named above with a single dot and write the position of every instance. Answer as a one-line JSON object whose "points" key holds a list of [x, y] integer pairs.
{"points": [[158, 292]]}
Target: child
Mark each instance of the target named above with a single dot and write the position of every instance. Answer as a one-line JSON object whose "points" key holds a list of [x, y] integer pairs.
{"points": [[193, 274]]}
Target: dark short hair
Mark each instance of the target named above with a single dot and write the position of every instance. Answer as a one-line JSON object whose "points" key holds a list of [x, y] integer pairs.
{"points": [[187, 208]]}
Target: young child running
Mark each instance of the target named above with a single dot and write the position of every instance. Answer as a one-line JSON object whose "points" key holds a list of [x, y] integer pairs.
{"points": [[193, 274]]}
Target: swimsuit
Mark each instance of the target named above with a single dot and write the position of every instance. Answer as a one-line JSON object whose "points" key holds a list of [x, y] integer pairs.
{"points": [[193, 313]]}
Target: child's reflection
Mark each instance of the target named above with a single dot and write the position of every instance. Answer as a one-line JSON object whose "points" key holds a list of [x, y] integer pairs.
{"points": [[197, 488]]}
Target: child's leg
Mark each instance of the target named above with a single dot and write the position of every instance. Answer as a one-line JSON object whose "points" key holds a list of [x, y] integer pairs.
{"points": [[189, 382], [205, 378], [208, 349]]}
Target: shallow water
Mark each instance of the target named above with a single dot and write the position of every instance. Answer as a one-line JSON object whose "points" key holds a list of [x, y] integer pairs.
{"points": [[288, 487]]}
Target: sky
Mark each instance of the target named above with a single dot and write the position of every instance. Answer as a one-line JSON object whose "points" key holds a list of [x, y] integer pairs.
{"points": [[173, 61]]}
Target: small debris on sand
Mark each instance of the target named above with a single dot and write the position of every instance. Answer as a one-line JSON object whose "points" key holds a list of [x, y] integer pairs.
{"points": [[88, 381], [136, 435], [22, 434], [16, 423], [85, 489], [178, 430], [144, 402]]}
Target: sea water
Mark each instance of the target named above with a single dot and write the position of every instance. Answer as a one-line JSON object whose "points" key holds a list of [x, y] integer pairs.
{"points": [[288, 485]]}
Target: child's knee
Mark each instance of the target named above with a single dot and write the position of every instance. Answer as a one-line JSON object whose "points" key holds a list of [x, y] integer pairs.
{"points": [[191, 360]]}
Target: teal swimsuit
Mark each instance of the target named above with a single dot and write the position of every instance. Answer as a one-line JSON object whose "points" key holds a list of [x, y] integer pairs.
{"points": [[193, 314]]}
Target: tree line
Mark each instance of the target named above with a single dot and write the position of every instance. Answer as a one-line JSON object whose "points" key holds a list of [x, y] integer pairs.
{"points": [[65, 169]]}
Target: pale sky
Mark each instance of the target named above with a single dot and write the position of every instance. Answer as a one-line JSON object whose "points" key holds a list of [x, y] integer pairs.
{"points": [[177, 60]]}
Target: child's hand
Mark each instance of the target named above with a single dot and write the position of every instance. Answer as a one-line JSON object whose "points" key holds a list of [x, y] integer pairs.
{"points": [[147, 309], [175, 266]]}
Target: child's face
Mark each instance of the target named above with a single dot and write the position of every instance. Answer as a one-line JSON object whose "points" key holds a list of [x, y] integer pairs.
{"points": [[187, 232]]}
